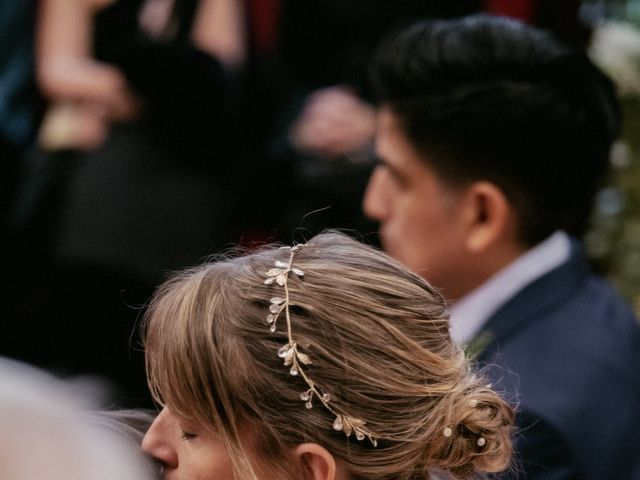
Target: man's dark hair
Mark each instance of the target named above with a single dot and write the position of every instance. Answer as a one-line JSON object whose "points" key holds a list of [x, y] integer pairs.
{"points": [[485, 97]]}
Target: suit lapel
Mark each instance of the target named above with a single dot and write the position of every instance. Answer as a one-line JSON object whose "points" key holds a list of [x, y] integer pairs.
{"points": [[531, 303]]}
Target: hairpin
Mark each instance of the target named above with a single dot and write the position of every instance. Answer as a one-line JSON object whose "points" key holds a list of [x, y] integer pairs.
{"points": [[296, 360], [448, 431]]}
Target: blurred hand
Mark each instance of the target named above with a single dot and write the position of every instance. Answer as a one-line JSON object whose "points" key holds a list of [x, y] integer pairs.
{"points": [[333, 123], [68, 125], [110, 92], [154, 17], [88, 81]]}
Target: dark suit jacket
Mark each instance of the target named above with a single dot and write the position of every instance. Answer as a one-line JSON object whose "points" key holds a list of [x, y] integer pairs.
{"points": [[567, 350]]}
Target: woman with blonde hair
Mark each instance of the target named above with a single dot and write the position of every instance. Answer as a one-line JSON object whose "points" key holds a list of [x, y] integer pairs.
{"points": [[323, 361]]}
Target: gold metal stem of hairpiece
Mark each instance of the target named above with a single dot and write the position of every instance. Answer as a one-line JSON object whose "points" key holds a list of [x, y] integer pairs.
{"points": [[295, 359]]}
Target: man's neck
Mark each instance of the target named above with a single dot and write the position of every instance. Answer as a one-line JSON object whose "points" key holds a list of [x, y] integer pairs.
{"points": [[474, 309]]}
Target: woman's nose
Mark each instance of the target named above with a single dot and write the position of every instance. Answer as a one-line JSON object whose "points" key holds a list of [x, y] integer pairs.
{"points": [[159, 441]]}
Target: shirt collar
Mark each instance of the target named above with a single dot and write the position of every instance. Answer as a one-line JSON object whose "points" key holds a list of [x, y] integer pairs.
{"points": [[470, 313]]}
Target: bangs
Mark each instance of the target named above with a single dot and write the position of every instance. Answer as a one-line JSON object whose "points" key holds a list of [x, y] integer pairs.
{"points": [[197, 362], [179, 331]]}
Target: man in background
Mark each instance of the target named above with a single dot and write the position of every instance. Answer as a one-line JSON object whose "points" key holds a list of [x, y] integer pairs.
{"points": [[493, 139]]}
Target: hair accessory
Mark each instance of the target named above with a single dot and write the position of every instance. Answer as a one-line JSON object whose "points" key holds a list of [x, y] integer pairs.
{"points": [[481, 442], [296, 360], [447, 432], [473, 402]]}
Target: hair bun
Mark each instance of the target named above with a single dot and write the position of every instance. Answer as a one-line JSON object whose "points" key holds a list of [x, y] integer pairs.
{"points": [[478, 438]]}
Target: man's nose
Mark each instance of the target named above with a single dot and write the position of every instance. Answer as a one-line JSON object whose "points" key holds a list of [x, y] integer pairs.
{"points": [[375, 205]]}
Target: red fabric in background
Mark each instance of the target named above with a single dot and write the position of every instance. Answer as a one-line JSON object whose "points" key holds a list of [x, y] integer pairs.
{"points": [[263, 24], [521, 9], [560, 17]]}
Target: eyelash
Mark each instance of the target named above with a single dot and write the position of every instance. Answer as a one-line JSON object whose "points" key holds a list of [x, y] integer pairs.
{"points": [[186, 436]]}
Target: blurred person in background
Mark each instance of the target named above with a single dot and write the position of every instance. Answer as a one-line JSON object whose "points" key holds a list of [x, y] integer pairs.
{"points": [[132, 178], [20, 111], [318, 117], [51, 431], [493, 139], [19, 103], [145, 87]]}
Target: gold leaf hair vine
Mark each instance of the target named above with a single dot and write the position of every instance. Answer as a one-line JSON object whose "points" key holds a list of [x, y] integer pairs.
{"points": [[296, 360]]}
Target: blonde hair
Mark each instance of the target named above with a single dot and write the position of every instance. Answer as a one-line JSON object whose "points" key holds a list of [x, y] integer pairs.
{"points": [[379, 339]]}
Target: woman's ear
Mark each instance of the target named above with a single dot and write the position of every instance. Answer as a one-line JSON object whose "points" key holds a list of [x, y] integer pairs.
{"points": [[316, 461], [489, 217]]}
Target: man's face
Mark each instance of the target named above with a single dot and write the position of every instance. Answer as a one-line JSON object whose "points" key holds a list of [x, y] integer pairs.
{"points": [[419, 214]]}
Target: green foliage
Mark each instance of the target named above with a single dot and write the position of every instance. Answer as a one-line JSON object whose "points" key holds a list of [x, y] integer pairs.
{"points": [[613, 242]]}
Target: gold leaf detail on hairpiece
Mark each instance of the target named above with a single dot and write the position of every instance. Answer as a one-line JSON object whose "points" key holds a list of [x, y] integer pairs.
{"points": [[295, 359], [274, 272], [303, 358], [350, 425], [286, 350], [337, 423], [273, 308]]}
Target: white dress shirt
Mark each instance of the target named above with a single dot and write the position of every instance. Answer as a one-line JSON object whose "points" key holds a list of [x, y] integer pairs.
{"points": [[470, 313]]}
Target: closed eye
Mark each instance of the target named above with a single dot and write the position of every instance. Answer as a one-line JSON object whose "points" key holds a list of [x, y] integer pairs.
{"points": [[186, 436]]}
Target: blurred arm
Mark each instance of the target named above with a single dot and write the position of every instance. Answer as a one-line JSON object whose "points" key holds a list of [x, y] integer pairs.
{"points": [[66, 70], [219, 29]]}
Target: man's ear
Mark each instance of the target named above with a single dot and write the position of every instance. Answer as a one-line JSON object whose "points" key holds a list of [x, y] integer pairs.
{"points": [[489, 217], [316, 461]]}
